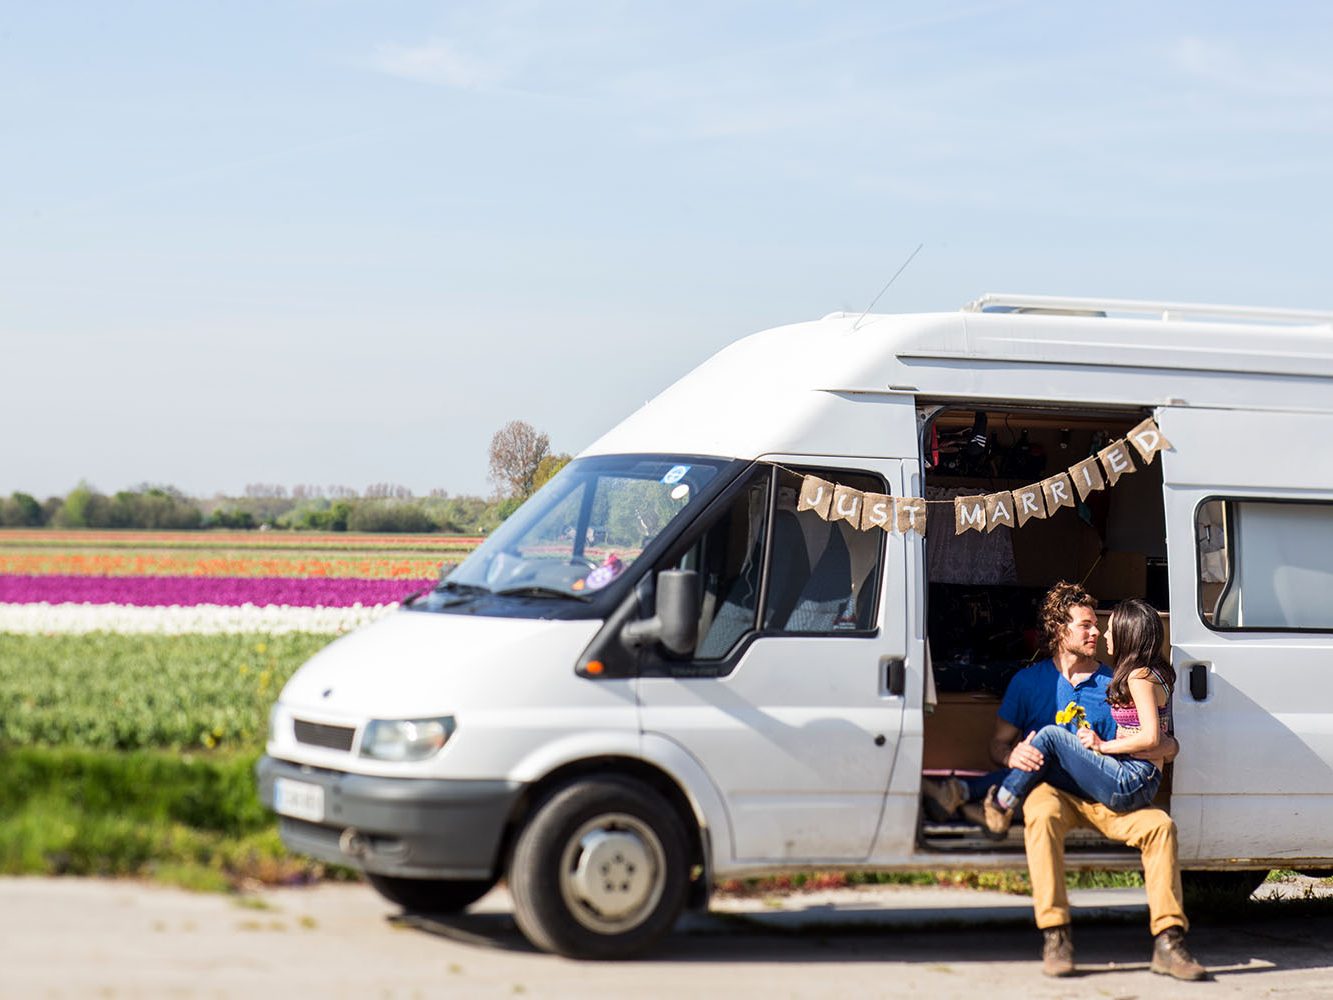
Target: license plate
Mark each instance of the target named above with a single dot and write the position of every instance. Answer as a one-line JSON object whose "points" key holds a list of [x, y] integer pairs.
{"points": [[298, 799]]}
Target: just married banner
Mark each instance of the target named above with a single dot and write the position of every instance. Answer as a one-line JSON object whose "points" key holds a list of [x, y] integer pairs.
{"points": [[987, 511]]}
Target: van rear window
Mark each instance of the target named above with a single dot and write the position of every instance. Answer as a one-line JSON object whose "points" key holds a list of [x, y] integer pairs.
{"points": [[1265, 565]]}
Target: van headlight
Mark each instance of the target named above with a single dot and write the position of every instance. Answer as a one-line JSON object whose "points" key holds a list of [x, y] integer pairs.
{"points": [[405, 739]]}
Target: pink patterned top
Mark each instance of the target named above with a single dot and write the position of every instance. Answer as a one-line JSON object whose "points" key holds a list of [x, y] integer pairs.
{"points": [[1126, 717]]}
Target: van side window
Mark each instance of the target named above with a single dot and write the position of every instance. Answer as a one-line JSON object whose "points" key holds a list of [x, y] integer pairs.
{"points": [[817, 577], [822, 576], [1265, 564], [729, 560]]}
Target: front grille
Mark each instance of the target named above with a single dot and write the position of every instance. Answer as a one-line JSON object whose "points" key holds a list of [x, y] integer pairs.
{"points": [[321, 734]]}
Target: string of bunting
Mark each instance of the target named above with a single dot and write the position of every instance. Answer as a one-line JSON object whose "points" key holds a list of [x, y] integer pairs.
{"points": [[988, 511]]}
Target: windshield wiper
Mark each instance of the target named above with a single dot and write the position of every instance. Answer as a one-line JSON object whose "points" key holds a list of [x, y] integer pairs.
{"points": [[463, 588], [537, 590]]}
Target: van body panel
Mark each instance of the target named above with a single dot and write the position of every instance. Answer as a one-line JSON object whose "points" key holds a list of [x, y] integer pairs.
{"points": [[1222, 449], [801, 735], [773, 392], [804, 388], [413, 664], [1110, 385], [565, 741], [1228, 348], [509, 684], [1254, 778], [797, 760], [895, 840], [705, 798]]}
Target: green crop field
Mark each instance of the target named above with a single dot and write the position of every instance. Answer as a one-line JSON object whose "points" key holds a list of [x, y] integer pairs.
{"points": [[132, 753], [103, 691]]}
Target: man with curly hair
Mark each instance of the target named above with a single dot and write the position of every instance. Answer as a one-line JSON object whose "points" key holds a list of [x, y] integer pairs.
{"points": [[1072, 675]]}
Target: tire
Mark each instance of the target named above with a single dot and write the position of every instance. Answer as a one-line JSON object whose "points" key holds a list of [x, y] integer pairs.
{"points": [[1213, 888], [600, 870], [429, 895]]}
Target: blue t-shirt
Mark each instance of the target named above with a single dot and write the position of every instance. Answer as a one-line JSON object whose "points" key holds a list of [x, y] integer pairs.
{"points": [[1037, 692]]}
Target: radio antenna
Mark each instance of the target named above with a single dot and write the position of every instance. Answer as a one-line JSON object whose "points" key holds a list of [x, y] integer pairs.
{"points": [[886, 286]]}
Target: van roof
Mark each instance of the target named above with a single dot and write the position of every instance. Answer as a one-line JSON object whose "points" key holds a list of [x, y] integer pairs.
{"points": [[799, 389]]}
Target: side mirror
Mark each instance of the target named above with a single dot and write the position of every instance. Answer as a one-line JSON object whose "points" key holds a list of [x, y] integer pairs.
{"points": [[676, 624]]}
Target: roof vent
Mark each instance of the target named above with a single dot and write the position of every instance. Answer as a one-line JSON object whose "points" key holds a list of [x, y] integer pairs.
{"points": [[1057, 306]]}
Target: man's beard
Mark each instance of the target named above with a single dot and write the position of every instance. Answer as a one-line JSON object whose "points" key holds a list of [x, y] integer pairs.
{"points": [[1076, 649]]}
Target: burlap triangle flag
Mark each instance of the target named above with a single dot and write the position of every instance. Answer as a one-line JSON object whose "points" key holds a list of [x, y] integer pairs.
{"points": [[969, 514], [846, 505], [1147, 440], [999, 511], [1058, 492], [877, 512], [816, 495], [912, 514], [1116, 461], [1028, 503], [1087, 476]]}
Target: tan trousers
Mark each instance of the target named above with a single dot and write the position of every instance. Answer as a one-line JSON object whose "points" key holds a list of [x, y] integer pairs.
{"points": [[1049, 814]]}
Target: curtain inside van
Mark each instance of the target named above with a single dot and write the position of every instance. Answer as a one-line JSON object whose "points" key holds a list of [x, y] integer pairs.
{"points": [[1282, 571]]}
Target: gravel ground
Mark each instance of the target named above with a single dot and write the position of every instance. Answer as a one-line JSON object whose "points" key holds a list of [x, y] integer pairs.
{"points": [[85, 937]]}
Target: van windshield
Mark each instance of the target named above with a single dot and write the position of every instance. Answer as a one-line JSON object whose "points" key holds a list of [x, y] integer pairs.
{"points": [[585, 527]]}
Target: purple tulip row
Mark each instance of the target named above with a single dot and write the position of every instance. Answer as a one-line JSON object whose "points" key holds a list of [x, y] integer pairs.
{"points": [[185, 591]]}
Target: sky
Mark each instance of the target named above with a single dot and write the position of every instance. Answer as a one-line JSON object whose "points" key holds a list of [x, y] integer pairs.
{"points": [[324, 242]]}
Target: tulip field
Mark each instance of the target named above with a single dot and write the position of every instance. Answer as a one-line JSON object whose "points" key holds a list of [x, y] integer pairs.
{"points": [[209, 582], [137, 670]]}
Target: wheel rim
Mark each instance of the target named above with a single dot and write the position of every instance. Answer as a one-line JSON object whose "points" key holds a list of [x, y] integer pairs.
{"points": [[612, 873]]}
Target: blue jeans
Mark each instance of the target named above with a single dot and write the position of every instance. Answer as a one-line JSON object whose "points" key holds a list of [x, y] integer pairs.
{"points": [[1122, 784]]}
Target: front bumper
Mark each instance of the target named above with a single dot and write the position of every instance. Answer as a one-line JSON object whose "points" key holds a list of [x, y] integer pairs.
{"points": [[405, 827]]}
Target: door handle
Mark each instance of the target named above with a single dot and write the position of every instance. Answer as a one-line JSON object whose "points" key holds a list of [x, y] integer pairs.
{"points": [[895, 674], [1199, 680]]}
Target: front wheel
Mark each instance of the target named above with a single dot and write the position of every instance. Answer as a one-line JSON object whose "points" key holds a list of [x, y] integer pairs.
{"points": [[430, 895], [600, 871]]}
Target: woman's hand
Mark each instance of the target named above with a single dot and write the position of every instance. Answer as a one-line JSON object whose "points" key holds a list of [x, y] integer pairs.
{"points": [[1089, 738]]}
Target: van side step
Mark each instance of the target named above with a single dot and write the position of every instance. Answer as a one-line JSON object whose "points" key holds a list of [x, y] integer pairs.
{"points": [[967, 838]]}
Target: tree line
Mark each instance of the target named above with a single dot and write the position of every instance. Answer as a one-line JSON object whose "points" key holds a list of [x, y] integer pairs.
{"points": [[521, 461]]}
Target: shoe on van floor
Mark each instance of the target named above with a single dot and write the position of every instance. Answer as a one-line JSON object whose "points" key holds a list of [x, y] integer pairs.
{"points": [[976, 815], [996, 818], [943, 797]]}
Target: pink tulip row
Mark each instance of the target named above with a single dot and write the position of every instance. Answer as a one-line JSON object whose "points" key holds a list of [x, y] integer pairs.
{"points": [[186, 591]]}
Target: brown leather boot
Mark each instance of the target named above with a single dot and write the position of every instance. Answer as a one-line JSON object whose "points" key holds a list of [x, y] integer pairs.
{"points": [[1057, 951], [997, 817], [1170, 957], [943, 797]]}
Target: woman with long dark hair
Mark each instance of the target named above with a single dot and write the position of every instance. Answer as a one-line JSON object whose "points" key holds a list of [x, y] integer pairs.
{"points": [[1082, 762]]}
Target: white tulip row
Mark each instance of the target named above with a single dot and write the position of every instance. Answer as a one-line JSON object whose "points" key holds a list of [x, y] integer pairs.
{"points": [[200, 619]]}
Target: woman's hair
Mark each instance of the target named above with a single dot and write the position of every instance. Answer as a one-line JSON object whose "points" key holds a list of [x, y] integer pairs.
{"points": [[1137, 634], [1055, 611]]}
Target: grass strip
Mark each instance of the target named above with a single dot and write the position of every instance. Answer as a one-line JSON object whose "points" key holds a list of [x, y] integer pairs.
{"points": [[998, 880], [188, 819]]}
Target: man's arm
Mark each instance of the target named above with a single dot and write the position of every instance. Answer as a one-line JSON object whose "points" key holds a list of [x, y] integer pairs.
{"points": [[1007, 750]]}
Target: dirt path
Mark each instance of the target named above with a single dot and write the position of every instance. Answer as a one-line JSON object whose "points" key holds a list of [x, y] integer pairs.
{"points": [[86, 938]]}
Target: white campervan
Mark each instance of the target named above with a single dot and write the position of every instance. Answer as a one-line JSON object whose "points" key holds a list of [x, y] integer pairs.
{"points": [[662, 669]]}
